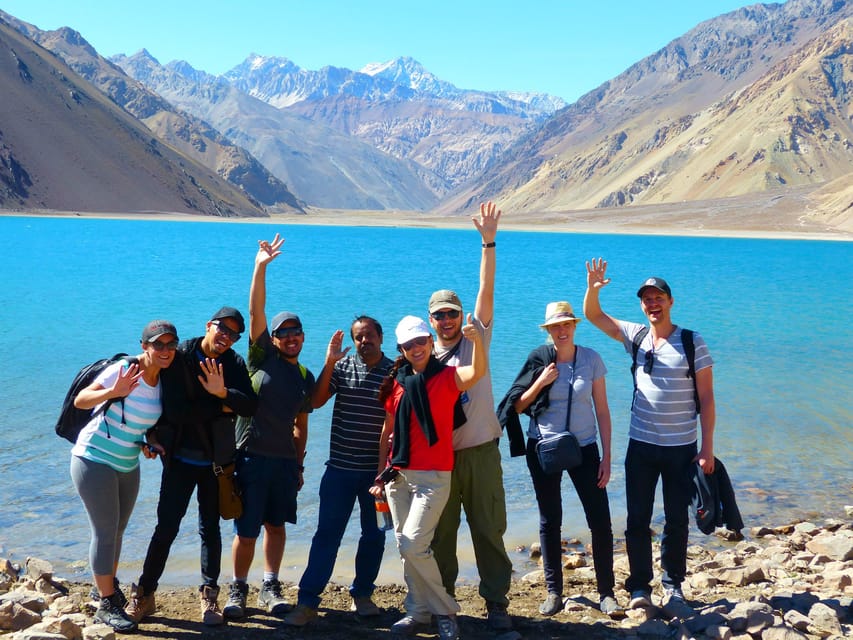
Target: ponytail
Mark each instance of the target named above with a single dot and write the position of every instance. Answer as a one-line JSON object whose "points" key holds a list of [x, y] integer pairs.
{"points": [[388, 383]]}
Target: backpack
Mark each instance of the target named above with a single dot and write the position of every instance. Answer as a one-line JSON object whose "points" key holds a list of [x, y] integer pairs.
{"points": [[689, 351], [71, 419]]}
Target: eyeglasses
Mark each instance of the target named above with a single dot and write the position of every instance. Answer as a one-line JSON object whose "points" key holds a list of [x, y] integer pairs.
{"points": [[420, 341], [287, 332], [650, 361], [157, 345], [441, 315], [232, 335]]}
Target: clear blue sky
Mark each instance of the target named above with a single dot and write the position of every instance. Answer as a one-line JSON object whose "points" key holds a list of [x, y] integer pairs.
{"points": [[561, 47]]}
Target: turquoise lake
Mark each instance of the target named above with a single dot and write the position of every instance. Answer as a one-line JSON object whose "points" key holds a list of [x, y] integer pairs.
{"points": [[776, 315]]}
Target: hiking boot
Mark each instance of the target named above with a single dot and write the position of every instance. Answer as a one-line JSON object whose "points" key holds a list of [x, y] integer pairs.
{"points": [[211, 615], [110, 613], [608, 606], [496, 617], [674, 605], [408, 626], [364, 607], [271, 599], [300, 616], [236, 606], [553, 604], [141, 604], [448, 628], [95, 595], [640, 599]]}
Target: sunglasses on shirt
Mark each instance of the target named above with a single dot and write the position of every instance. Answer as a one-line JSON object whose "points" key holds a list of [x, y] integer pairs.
{"points": [[649, 362]]}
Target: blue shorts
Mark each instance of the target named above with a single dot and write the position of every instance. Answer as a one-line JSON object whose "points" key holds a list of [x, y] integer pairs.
{"points": [[269, 487]]}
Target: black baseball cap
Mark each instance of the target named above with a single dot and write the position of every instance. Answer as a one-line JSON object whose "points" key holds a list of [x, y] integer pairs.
{"points": [[658, 283], [157, 328], [231, 312]]}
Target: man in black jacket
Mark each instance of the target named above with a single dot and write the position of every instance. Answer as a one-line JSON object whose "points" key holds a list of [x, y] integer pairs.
{"points": [[204, 391]]}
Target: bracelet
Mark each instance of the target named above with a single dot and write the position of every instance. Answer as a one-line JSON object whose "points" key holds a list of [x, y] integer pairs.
{"points": [[488, 245]]}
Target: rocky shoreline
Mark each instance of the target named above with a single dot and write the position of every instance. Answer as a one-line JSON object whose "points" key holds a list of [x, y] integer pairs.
{"points": [[780, 583]]}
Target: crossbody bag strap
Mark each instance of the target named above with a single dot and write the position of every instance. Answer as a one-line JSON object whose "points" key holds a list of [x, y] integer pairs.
{"points": [[571, 393]]}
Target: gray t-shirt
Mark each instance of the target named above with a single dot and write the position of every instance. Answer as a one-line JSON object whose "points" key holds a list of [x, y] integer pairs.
{"points": [[482, 424], [588, 368], [664, 408]]}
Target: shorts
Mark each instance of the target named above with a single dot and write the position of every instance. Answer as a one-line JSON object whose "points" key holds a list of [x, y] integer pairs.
{"points": [[269, 488]]}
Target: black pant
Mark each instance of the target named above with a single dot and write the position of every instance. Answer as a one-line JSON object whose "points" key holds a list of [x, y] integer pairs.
{"points": [[178, 481], [596, 507]]}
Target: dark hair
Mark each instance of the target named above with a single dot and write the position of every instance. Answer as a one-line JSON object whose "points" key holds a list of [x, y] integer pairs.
{"points": [[365, 320], [388, 383]]}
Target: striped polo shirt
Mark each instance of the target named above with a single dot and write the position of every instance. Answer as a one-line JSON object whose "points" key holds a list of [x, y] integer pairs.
{"points": [[664, 408], [357, 416]]}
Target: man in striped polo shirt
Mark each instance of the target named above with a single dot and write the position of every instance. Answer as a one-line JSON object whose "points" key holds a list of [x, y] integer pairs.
{"points": [[662, 435], [357, 419]]}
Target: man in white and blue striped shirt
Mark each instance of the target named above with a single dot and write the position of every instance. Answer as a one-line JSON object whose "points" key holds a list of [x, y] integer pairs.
{"points": [[663, 433]]}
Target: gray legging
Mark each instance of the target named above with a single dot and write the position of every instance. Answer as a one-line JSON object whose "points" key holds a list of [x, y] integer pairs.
{"points": [[108, 496]]}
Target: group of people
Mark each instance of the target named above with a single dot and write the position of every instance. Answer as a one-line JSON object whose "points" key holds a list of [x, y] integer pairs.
{"points": [[420, 431]]}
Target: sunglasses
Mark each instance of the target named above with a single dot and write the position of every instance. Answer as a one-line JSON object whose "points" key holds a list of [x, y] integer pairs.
{"points": [[441, 315], [420, 341], [232, 335], [650, 362], [287, 332], [157, 345]]}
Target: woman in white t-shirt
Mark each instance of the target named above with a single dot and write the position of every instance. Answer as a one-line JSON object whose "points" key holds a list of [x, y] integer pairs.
{"points": [[562, 380], [125, 399]]}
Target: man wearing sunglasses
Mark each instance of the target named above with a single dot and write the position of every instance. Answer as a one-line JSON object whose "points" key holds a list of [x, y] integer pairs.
{"points": [[271, 443], [203, 391], [662, 435], [477, 479]]}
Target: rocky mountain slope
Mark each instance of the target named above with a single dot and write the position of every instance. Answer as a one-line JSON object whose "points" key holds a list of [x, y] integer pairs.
{"points": [[188, 134], [66, 146], [754, 100]]}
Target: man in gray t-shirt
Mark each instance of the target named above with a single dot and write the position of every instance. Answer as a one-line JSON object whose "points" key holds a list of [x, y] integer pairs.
{"points": [[662, 438], [477, 480]]}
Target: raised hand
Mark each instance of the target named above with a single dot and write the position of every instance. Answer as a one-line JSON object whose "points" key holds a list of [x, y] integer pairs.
{"points": [[596, 271], [487, 222], [269, 251], [127, 380], [334, 351], [212, 378]]}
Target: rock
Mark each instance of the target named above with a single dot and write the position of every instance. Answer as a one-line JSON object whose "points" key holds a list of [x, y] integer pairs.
{"points": [[809, 528], [825, 619], [741, 576], [37, 568], [31, 600], [834, 580], [34, 634], [848, 510], [782, 633], [654, 629], [704, 621], [751, 617], [701, 582], [717, 632], [797, 620], [837, 545], [535, 551], [63, 627], [574, 561], [534, 577], [17, 617], [99, 632]]}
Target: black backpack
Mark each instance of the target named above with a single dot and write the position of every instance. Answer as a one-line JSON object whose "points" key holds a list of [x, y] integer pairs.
{"points": [[71, 419], [689, 351]]}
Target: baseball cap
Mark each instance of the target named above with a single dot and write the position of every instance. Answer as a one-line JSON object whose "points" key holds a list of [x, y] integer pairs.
{"points": [[282, 317], [658, 283], [231, 312], [444, 299], [411, 327], [157, 328], [557, 313]]}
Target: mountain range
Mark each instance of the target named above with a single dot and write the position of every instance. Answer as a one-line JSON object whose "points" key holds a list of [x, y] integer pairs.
{"points": [[751, 102]]}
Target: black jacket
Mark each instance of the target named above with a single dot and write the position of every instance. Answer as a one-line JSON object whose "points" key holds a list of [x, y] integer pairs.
{"points": [[193, 420], [714, 503], [536, 361]]}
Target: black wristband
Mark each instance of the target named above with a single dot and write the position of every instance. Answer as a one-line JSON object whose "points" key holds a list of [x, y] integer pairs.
{"points": [[488, 245]]}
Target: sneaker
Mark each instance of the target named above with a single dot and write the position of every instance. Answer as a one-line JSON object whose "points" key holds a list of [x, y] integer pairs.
{"points": [[109, 612], [674, 604], [364, 607], [640, 599], [610, 607], [553, 604], [408, 626], [211, 615], [301, 615], [448, 628], [141, 604], [236, 606], [95, 595], [271, 599], [496, 616]]}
